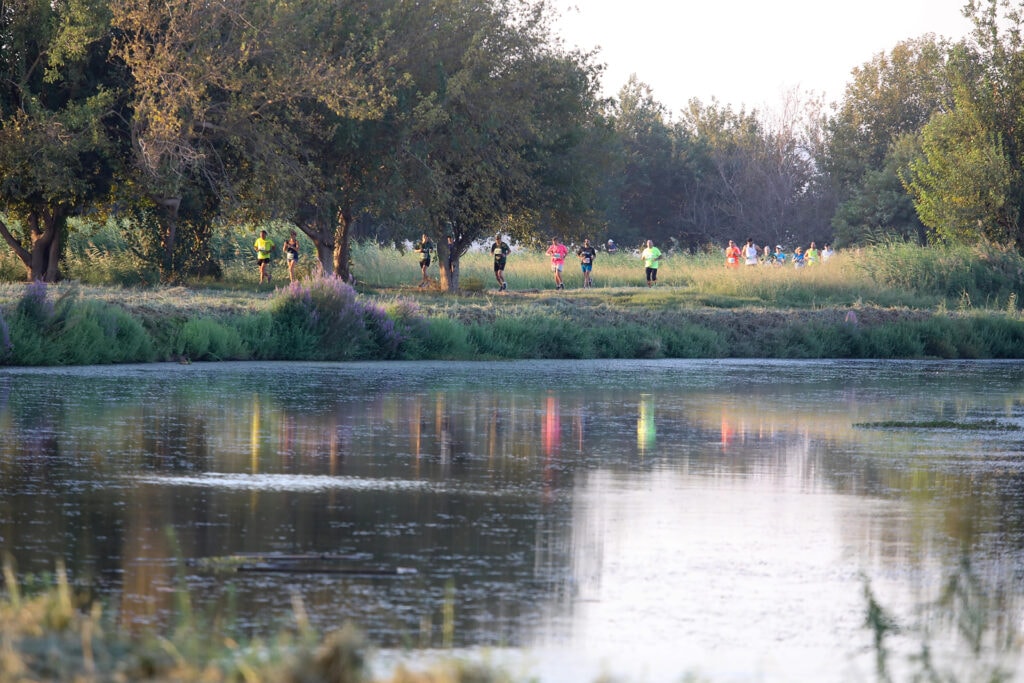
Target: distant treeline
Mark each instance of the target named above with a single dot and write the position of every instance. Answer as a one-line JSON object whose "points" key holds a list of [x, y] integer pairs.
{"points": [[461, 118]]}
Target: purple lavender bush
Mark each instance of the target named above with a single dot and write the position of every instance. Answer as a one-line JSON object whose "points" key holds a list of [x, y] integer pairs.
{"points": [[322, 319]]}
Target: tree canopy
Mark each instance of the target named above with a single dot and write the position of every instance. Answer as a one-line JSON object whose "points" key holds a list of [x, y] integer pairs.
{"points": [[385, 119]]}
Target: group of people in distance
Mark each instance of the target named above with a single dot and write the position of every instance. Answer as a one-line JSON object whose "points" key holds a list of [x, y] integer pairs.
{"points": [[752, 255], [749, 254], [558, 253]]}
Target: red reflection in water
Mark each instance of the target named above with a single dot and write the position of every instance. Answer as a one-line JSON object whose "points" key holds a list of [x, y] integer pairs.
{"points": [[552, 427], [728, 432]]}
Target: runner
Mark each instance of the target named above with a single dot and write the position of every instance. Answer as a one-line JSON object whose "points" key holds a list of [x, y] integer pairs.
{"points": [[424, 247], [557, 251], [587, 255], [732, 255], [291, 253], [651, 256], [500, 250], [750, 252], [264, 250], [812, 255]]}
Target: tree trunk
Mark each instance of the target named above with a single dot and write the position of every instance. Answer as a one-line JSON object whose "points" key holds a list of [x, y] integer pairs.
{"points": [[314, 224], [342, 248], [168, 216], [42, 258], [448, 264]]}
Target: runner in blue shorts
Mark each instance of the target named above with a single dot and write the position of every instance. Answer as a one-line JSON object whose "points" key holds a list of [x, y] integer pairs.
{"points": [[587, 255]]}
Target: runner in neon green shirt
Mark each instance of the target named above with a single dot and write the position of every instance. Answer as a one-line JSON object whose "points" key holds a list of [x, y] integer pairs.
{"points": [[264, 250], [651, 256]]}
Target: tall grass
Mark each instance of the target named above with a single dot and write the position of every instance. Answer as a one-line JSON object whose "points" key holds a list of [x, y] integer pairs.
{"points": [[698, 309], [982, 275], [73, 331], [57, 634], [892, 274], [886, 275]]}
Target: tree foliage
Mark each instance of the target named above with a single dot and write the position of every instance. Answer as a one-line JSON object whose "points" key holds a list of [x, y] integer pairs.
{"points": [[890, 97], [383, 119], [968, 183], [58, 124]]}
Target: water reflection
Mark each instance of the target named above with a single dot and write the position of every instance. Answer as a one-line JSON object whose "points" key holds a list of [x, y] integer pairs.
{"points": [[727, 508]]}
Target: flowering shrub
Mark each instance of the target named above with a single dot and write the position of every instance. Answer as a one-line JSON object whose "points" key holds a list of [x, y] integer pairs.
{"points": [[34, 306], [321, 319]]}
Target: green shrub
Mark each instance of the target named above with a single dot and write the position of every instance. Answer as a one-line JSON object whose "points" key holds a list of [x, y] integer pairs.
{"points": [[894, 340], [205, 339], [445, 339], [688, 340], [74, 331], [95, 332], [255, 332], [5, 339], [531, 336]]}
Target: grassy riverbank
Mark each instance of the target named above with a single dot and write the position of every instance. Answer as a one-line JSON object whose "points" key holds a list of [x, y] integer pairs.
{"points": [[896, 301]]}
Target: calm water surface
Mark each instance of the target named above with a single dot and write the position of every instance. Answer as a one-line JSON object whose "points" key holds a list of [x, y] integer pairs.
{"points": [[643, 519]]}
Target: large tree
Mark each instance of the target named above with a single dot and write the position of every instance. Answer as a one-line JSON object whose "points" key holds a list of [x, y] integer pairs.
{"points": [[227, 98], [756, 176], [968, 183], [645, 185], [58, 124], [890, 97], [492, 110]]}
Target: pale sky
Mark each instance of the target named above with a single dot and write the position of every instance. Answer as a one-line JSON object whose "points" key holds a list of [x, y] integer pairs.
{"points": [[746, 52]]}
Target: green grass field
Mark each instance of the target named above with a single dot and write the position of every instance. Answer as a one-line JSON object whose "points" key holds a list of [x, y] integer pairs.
{"points": [[889, 301]]}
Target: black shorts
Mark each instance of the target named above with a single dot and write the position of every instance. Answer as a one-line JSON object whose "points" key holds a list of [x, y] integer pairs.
{"points": [[425, 261], [652, 274], [499, 265], [261, 261]]}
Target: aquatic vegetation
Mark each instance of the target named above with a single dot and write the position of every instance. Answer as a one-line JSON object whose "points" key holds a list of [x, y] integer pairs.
{"points": [[975, 425], [5, 337], [967, 611], [57, 635], [207, 339]]}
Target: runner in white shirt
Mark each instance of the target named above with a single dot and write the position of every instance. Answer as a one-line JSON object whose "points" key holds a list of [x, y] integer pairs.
{"points": [[750, 252]]}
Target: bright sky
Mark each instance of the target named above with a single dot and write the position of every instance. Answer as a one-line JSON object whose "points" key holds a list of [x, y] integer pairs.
{"points": [[746, 52]]}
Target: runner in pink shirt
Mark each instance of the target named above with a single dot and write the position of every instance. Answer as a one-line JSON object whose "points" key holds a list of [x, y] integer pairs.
{"points": [[557, 251]]}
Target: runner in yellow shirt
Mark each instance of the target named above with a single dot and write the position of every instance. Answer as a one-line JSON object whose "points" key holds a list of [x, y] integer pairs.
{"points": [[652, 257], [264, 250]]}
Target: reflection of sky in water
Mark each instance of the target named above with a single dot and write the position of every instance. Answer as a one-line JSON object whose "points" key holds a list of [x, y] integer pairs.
{"points": [[708, 515], [738, 575]]}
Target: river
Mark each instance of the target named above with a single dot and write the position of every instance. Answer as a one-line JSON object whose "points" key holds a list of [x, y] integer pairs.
{"points": [[566, 519]]}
